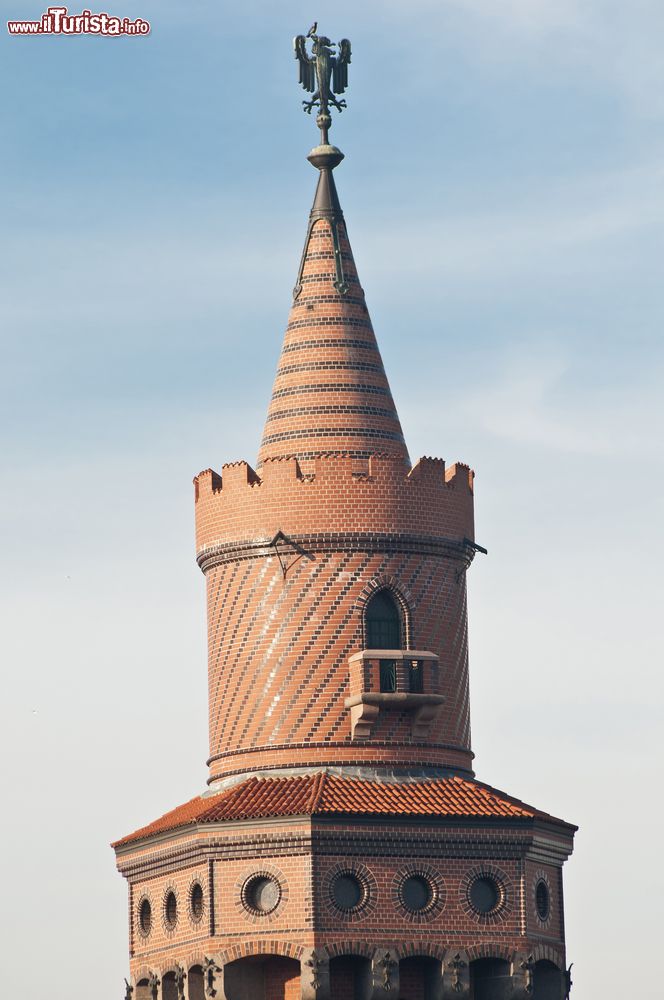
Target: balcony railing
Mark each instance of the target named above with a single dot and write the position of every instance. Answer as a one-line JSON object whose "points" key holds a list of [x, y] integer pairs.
{"points": [[389, 679]]}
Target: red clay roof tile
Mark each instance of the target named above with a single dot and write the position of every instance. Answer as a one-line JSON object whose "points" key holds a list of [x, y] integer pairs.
{"points": [[327, 794]]}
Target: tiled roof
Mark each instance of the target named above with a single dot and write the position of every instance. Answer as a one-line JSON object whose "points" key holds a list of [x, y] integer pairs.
{"points": [[327, 794]]}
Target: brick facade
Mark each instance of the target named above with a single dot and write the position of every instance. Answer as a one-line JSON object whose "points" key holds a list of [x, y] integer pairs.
{"points": [[344, 849]]}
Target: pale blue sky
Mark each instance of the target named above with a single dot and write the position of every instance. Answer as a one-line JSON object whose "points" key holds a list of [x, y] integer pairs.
{"points": [[503, 191]]}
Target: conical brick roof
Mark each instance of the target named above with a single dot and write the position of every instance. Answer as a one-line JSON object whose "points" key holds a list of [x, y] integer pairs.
{"points": [[331, 393]]}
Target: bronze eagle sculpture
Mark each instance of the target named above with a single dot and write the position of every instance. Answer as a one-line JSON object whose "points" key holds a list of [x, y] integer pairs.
{"points": [[324, 73]]}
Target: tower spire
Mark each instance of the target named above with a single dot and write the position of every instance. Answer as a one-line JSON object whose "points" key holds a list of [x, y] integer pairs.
{"points": [[331, 393], [339, 716]]}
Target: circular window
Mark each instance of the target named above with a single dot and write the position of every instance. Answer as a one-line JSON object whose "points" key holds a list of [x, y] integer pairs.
{"points": [[196, 901], [416, 893], [485, 895], [542, 900], [170, 909], [145, 917], [261, 894], [348, 892]]}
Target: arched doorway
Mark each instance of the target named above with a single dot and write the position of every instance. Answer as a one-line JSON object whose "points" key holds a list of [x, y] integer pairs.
{"points": [[196, 983], [419, 978], [263, 977], [382, 622], [547, 981], [169, 990], [350, 977], [490, 979], [143, 990]]}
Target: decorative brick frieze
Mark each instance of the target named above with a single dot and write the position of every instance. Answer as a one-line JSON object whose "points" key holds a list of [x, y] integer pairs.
{"points": [[332, 432], [338, 388], [330, 365], [383, 838], [306, 545], [311, 411], [319, 343]]}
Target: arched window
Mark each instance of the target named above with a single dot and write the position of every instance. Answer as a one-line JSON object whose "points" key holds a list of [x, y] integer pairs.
{"points": [[383, 631], [383, 622]]}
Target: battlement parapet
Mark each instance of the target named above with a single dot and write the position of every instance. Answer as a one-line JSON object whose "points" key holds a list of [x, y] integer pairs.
{"points": [[341, 494], [460, 476]]}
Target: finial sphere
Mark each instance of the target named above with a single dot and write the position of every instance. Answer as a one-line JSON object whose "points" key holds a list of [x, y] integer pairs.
{"points": [[324, 74]]}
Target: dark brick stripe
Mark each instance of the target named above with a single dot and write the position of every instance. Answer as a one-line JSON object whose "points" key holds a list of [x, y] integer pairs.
{"points": [[439, 546], [300, 411], [336, 666], [352, 322], [325, 648], [313, 345], [216, 636], [242, 627], [323, 278], [224, 678], [341, 432], [256, 650], [322, 366], [314, 599], [326, 387], [322, 297], [440, 599], [460, 685], [362, 453], [329, 255]]}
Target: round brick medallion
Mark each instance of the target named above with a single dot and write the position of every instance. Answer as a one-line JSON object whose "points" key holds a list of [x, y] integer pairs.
{"points": [[261, 894]]}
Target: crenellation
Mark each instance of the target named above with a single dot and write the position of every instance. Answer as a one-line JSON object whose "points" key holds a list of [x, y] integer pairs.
{"points": [[238, 474], [460, 475], [207, 481], [281, 470], [335, 497], [430, 469]]}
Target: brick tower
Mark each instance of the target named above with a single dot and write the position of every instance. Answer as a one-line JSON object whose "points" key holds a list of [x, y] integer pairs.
{"points": [[343, 849]]}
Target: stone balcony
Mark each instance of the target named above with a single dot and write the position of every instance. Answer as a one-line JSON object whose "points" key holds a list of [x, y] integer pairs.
{"points": [[383, 680]]}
